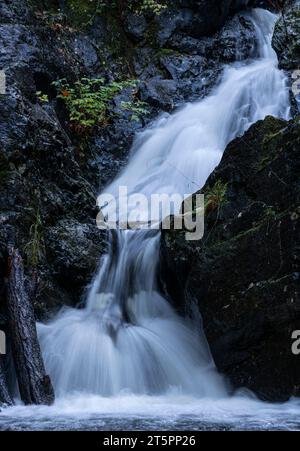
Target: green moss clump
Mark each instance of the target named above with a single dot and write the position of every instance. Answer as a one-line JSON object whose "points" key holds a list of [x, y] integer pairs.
{"points": [[167, 52], [273, 131], [83, 12], [215, 197], [35, 248]]}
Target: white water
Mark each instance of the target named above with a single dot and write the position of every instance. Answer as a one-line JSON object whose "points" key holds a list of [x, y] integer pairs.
{"points": [[128, 340], [157, 413], [180, 151]]}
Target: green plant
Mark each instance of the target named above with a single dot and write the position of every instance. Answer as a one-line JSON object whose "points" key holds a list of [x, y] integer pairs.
{"points": [[162, 52], [137, 6], [270, 213], [83, 12], [35, 248], [136, 107], [44, 98], [152, 6], [215, 197], [89, 101]]}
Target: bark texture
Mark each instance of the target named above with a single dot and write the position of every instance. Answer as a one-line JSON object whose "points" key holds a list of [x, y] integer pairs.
{"points": [[34, 385], [4, 393]]}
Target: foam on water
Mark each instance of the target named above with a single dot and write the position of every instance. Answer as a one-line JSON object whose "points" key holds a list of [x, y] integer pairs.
{"points": [[172, 411]]}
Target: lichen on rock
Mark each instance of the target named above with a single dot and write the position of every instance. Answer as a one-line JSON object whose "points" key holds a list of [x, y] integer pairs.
{"points": [[244, 273]]}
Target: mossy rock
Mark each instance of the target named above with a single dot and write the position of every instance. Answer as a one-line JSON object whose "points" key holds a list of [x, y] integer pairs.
{"points": [[244, 273]]}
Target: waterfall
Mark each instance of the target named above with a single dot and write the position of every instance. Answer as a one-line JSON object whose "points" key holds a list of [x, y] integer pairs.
{"points": [[128, 337]]}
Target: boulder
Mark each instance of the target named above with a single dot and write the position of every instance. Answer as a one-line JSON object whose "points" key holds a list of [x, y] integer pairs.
{"points": [[244, 274], [74, 251], [159, 93]]}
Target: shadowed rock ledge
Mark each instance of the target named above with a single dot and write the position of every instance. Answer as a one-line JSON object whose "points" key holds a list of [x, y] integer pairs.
{"points": [[244, 273]]}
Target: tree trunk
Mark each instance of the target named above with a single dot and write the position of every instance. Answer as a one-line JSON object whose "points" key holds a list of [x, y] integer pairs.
{"points": [[4, 393], [34, 385]]}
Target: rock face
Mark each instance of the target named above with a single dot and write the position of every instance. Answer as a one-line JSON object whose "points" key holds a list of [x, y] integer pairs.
{"points": [[200, 18], [286, 42], [286, 39], [181, 66], [244, 274]]}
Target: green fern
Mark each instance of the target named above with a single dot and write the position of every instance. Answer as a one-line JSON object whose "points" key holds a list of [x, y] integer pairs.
{"points": [[89, 101], [215, 197]]}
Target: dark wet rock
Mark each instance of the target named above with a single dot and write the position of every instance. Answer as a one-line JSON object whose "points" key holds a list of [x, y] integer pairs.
{"points": [[74, 250], [286, 39], [146, 64], [10, 10], [236, 41], [84, 50], [136, 26], [286, 42], [172, 50], [170, 21], [111, 149], [178, 65], [191, 18], [193, 65], [196, 64], [159, 93], [193, 75], [201, 18], [184, 44], [41, 182], [244, 273]]}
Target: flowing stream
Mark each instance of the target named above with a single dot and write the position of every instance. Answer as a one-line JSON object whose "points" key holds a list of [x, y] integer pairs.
{"points": [[127, 359]]}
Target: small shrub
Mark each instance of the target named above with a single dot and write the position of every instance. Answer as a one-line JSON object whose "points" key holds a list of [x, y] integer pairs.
{"points": [[83, 12], [152, 6], [136, 107], [44, 98], [89, 101], [35, 248], [215, 198], [137, 6]]}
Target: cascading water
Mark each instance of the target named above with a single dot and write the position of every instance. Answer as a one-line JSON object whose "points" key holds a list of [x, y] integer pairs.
{"points": [[129, 337], [146, 348]]}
